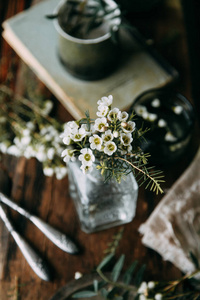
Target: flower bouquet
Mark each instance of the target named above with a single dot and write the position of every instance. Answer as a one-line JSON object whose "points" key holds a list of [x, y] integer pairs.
{"points": [[105, 166]]}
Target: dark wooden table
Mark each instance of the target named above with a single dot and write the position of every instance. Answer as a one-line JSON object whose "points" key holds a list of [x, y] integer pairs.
{"points": [[49, 198]]}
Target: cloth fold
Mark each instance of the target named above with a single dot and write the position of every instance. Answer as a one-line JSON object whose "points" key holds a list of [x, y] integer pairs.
{"points": [[173, 229]]}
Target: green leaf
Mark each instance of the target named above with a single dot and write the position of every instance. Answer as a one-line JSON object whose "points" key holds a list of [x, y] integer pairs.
{"points": [[128, 274], [84, 294], [104, 293], [117, 268], [95, 284], [105, 261], [139, 276]]}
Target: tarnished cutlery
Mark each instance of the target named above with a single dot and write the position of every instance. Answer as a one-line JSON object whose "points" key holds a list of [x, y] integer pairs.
{"points": [[58, 238], [35, 261]]}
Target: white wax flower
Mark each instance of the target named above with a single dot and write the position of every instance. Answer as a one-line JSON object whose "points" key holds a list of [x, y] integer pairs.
{"points": [[105, 101], [140, 109], [86, 157], [86, 169], [142, 297], [60, 172], [155, 102], [113, 114], [145, 115], [152, 117], [123, 116], [95, 142], [14, 150], [162, 123], [178, 109], [158, 296], [78, 275], [151, 285], [107, 136], [110, 148], [101, 124], [129, 127], [68, 155], [50, 153], [78, 135], [125, 149], [142, 288], [103, 110], [169, 137], [126, 138], [48, 171]]}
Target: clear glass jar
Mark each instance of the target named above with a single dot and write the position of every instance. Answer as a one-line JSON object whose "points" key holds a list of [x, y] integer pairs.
{"points": [[101, 205]]}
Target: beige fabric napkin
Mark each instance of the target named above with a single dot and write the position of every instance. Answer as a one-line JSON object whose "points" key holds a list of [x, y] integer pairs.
{"points": [[173, 229]]}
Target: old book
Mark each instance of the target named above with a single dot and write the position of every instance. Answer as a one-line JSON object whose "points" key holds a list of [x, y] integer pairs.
{"points": [[34, 39]]}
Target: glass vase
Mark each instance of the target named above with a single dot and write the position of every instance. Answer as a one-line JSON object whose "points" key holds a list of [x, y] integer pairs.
{"points": [[101, 205]]}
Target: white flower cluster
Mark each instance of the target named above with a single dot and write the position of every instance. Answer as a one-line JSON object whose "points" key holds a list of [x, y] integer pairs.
{"points": [[145, 289], [40, 141], [110, 134]]}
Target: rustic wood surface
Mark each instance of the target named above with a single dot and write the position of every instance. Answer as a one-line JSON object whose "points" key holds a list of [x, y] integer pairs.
{"points": [[48, 198]]}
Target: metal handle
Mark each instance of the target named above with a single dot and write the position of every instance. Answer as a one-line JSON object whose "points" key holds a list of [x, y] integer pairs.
{"points": [[34, 260], [58, 238]]}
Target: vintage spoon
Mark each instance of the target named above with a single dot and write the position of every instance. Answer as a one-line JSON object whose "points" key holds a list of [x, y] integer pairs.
{"points": [[58, 238], [34, 260]]}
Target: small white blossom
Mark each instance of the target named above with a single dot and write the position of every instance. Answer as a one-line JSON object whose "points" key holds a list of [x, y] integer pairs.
{"points": [[60, 172], [142, 288], [169, 137], [14, 150], [95, 142], [50, 153], [26, 132], [145, 115], [78, 135], [155, 102], [86, 157], [126, 139], [78, 275], [30, 125], [101, 124], [85, 168], [152, 117], [68, 155], [162, 123], [142, 297], [140, 109], [125, 149], [4, 146], [110, 148], [113, 114], [103, 110], [151, 285], [29, 152], [158, 296], [129, 127], [105, 101], [107, 136], [48, 171], [115, 134], [178, 109], [123, 116], [48, 105]]}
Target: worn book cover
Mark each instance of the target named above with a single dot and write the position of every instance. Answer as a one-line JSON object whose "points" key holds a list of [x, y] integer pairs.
{"points": [[34, 38]]}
